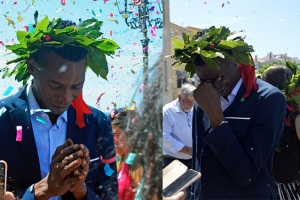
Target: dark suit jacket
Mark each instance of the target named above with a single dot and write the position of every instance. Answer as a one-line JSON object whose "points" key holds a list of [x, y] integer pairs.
{"points": [[22, 157], [236, 158]]}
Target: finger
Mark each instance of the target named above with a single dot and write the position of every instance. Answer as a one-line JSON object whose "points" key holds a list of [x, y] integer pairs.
{"points": [[9, 196], [70, 158], [68, 169], [67, 143], [73, 149], [86, 153], [181, 195]]}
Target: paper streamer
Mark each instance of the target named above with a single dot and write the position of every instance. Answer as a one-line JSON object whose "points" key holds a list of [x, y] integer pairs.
{"points": [[41, 110], [40, 119], [8, 90], [19, 134], [111, 160], [108, 171], [130, 158], [2, 111]]}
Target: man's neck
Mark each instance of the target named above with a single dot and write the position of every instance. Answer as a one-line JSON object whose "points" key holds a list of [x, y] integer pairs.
{"points": [[53, 117]]}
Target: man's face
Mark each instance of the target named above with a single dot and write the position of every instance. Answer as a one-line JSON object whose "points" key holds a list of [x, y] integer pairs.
{"points": [[58, 82], [186, 103], [223, 79]]}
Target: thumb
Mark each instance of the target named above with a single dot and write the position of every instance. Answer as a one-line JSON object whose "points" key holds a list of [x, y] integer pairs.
{"points": [[9, 196], [216, 83]]}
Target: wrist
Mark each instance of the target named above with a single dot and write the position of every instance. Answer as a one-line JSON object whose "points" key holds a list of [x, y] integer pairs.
{"points": [[40, 191], [81, 192]]}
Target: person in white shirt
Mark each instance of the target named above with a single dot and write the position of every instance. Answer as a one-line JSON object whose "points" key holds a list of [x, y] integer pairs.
{"points": [[177, 127]]}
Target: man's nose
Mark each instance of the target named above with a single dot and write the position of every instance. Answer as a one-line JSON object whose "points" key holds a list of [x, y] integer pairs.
{"points": [[65, 96]]}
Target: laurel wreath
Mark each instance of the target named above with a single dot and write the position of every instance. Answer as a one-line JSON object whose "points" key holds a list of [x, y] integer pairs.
{"points": [[49, 34], [290, 86], [213, 44]]}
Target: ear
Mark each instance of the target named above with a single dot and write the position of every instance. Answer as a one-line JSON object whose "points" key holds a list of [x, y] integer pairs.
{"points": [[179, 97]]}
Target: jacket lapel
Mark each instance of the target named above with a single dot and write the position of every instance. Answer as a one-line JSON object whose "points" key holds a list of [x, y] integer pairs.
{"points": [[73, 131], [21, 117]]}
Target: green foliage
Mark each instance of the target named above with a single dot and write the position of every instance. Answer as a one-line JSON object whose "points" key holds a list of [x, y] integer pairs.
{"points": [[291, 86], [48, 33], [211, 46]]}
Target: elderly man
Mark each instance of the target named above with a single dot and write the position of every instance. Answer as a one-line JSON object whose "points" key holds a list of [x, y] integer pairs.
{"points": [[177, 127]]}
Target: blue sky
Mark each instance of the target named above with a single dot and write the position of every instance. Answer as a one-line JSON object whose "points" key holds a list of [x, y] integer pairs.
{"points": [[125, 70], [270, 25]]}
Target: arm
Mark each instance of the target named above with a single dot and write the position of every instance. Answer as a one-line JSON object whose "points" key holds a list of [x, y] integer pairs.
{"points": [[169, 142], [244, 158]]}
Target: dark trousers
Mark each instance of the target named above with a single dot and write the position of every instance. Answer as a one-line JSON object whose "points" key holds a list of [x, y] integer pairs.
{"points": [[169, 159]]}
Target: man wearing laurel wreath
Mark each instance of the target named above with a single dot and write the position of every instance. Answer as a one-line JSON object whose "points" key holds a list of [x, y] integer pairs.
{"points": [[235, 126]]}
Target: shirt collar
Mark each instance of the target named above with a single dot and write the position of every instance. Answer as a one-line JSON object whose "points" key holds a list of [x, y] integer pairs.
{"points": [[235, 89], [34, 106]]}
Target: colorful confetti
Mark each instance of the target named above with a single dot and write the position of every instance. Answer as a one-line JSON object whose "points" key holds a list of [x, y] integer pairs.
{"points": [[40, 119], [223, 5], [142, 87], [19, 18], [7, 91], [108, 170], [19, 134], [63, 2], [10, 22], [152, 8], [133, 107], [130, 158], [105, 1], [98, 100], [110, 32], [41, 110], [153, 29], [2, 111]]}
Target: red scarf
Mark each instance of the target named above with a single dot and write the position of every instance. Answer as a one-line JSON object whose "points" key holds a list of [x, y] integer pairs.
{"points": [[81, 108], [248, 77]]}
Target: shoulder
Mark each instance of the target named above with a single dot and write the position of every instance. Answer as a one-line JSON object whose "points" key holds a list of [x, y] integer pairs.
{"points": [[170, 107], [98, 114], [10, 102], [266, 90]]}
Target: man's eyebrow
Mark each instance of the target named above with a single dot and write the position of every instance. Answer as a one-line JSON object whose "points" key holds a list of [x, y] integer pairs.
{"points": [[58, 83]]}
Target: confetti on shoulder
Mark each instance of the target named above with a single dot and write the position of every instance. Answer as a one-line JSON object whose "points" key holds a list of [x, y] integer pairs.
{"points": [[41, 110], [2, 111]]}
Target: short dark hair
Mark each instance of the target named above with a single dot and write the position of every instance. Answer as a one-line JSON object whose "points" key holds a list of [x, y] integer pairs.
{"points": [[276, 75], [71, 53]]}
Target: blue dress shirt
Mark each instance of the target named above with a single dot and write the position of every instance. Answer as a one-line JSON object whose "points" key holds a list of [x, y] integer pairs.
{"points": [[47, 136]]}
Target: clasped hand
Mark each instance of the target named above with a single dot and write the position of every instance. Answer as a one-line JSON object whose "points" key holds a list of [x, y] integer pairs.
{"points": [[68, 170], [208, 98]]}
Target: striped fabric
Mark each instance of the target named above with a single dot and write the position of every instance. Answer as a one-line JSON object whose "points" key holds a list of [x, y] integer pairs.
{"points": [[288, 190]]}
